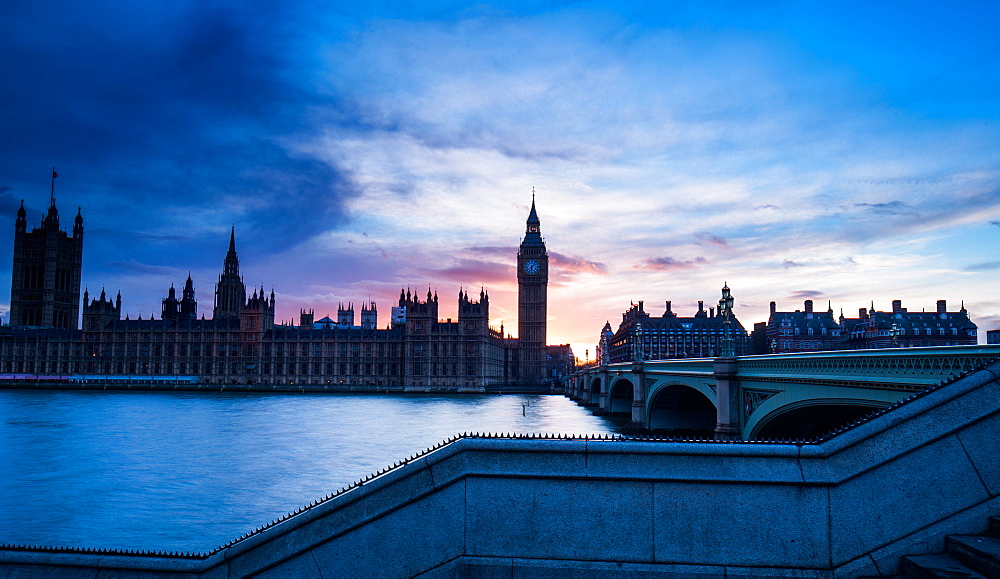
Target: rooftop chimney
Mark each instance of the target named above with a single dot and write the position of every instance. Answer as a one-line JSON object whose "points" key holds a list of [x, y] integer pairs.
{"points": [[863, 314], [809, 306], [942, 306], [774, 307], [897, 306]]}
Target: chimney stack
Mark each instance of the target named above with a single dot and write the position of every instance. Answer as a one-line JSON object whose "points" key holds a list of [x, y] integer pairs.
{"points": [[809, 306], [774, 308], [897, 306], [942, 306], [863, 314]]}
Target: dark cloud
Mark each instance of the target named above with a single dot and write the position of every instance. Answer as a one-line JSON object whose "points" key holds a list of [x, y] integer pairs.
{"points": [[576, 264], [766, 206], [670, 263], [997, 223], [706, 238], [805, 294], [133, 266], [983, 266], [890, 208], [789, 263], [185, 108]]}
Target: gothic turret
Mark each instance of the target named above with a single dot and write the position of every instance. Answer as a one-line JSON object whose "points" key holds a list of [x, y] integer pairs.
{"points": [[230, 292], [45, 278], [189, 306]]}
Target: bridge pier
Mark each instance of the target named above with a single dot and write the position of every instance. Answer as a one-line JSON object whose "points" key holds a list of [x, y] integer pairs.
{"points": [[727, 390], [638, 422]]}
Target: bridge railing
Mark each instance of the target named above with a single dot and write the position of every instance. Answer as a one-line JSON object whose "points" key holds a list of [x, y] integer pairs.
{"points": [[894, 367]]}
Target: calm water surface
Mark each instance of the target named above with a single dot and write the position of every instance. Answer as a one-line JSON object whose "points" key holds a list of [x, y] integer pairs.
{"points": [[190, 471]]}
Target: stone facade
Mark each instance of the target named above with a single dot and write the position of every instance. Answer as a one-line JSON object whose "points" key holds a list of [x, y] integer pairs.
{"points": [[670, 336], [807, 330]]}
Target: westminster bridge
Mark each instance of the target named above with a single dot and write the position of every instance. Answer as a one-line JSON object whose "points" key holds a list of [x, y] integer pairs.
{"points": [[800, 395]]}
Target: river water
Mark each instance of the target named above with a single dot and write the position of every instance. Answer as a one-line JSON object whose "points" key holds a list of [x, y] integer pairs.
{"points": [[190, 471]]}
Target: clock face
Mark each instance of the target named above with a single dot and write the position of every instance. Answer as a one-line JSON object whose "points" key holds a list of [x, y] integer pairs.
{"points": [[531, 266]]}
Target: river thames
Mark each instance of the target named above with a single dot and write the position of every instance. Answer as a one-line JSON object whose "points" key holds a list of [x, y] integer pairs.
{"points": [[190, 471]]}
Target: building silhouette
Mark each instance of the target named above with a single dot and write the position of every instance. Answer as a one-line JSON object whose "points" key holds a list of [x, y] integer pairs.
{"points": [[241, 344], [532, 299], [641, 336], [45, 279], [808, 330]]}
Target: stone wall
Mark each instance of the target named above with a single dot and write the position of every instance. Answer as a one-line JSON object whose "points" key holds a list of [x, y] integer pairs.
{"points": [[493, 506]]}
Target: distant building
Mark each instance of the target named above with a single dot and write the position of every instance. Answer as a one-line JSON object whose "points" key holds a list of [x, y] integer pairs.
{"points": [[802, 330], [241, 344], [993, 336], [532, 301], [669, 336], [904, 329], [560, 362], [45, 279], [808, 330]]}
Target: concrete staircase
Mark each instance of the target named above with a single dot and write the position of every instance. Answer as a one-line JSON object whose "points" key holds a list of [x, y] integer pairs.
{"points": [[965, 556]]}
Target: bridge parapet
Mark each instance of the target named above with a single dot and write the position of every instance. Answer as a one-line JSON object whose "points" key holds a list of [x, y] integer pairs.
{"points": [[900, 368]]}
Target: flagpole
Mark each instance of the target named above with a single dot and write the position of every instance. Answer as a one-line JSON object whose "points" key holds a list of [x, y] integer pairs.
{"points": [[52, 194]]}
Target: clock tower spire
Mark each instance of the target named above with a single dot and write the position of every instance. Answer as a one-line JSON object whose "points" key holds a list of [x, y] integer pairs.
{"points": [[532, 286]]}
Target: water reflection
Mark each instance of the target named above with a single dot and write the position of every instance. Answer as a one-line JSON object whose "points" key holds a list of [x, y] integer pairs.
{"points": [[189, 471]]}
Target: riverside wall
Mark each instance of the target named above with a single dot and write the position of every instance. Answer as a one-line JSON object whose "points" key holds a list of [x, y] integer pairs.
{"points": [[495, 506]]}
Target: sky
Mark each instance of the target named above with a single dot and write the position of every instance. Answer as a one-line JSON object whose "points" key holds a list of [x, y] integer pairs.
{"points": [[841, 152]]}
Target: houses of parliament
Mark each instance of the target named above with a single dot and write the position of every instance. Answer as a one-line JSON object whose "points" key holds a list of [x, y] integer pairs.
{"points": [[241, 344]]}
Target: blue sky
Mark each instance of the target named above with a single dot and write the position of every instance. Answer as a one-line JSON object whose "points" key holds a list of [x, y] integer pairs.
{"points": [[846, 152]]}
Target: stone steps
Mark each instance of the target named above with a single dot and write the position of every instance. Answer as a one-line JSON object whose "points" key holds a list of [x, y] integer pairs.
{"points": [[965, 557]]}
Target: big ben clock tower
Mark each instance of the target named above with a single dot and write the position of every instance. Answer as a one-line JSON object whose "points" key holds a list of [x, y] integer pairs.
{"points": [[532, 284]]}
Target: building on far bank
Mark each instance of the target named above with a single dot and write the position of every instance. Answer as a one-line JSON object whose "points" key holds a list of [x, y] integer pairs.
{"points": [[900, 328], [802, 331], [993, 336], [45, 278], [670, 336], [241, 344], [808, 330]]}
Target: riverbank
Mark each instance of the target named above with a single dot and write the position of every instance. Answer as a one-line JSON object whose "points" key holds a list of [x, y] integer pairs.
{"points": [[277, 388]]}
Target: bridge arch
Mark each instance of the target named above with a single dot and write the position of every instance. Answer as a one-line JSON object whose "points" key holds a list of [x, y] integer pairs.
{"points": [[809, 418], [681, 409], [594, 392], [620, 397]]}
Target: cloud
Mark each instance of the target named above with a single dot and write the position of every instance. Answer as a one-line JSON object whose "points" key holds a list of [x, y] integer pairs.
{"points": [[133, 266], [890, 208], [190, 108], [670, 263], [706, 238], [805, 294], [997, 223], [494, 251], [789, 263], [983, 266], [469, 271], [765, 206], [576, 264]]}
